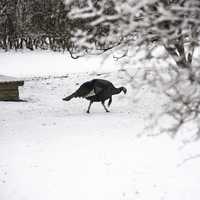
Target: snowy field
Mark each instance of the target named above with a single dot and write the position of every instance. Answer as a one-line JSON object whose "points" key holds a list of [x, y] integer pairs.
{"points": [[53, 150], [23, 64]]}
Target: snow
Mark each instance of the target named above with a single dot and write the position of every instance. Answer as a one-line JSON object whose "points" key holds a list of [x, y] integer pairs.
{"points": [[51, 149], [28, 64], [4, 79]]}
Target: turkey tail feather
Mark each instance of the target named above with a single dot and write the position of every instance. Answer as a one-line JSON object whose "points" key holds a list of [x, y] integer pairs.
{"points": [[68, 97], [81, 92]]}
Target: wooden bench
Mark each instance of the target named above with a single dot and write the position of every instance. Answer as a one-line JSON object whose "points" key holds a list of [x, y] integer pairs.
{"points": [[9, 90]]}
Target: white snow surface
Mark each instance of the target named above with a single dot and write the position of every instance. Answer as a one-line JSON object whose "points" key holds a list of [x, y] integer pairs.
{"points": [[53, 150], [27, 63]]}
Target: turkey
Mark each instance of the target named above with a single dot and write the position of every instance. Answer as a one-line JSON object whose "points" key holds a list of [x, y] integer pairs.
{"points": [[96, 90]]}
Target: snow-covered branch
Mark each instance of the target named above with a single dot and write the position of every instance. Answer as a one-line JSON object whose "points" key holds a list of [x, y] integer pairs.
{"points": [[172, 24]]}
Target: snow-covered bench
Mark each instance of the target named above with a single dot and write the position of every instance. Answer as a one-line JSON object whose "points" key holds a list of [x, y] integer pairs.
{"points": [[9, 88]]}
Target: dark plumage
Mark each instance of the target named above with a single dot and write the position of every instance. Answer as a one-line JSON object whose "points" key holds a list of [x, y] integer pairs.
{"points": [[96, 90]]}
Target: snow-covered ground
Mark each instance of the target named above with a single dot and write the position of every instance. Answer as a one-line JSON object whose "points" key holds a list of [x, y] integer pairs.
{"points": [[27, 63], [53, 150]]}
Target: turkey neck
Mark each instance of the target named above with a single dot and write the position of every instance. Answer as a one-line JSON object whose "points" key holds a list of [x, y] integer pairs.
{"points": [[117, 90]]}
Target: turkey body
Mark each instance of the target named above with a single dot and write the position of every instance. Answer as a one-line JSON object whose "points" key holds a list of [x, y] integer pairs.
{"points": [[96, 90]]}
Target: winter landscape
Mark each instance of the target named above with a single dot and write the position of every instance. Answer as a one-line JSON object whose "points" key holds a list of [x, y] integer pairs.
{"points": [[147, 146], [51, 149]]}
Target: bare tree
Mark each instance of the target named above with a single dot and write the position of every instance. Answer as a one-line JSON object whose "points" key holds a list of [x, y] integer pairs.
{"points": [[145, 25], [34, 24]]}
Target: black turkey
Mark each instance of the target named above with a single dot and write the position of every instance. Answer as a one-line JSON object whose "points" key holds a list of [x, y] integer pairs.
{"points": [[96, 90]]}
